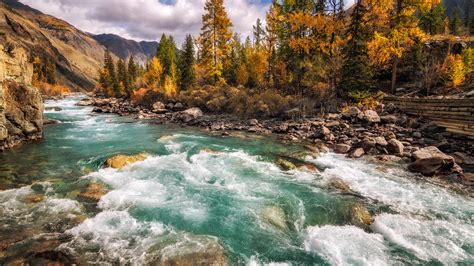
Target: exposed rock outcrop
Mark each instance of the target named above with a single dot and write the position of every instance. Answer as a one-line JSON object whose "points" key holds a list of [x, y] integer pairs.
{"points": [[21, 105]]}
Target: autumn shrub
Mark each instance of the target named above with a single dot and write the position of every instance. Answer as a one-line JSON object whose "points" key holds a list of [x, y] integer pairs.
{"points": [[239, 101], [454, 71], [51, 89]]}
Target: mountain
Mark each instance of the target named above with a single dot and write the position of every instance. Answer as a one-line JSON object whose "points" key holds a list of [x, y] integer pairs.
{"points": [[76, 55], [123, 48]]}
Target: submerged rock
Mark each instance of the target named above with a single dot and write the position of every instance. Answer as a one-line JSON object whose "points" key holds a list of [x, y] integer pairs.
{"points": [[210, 151], [360, 216], [93, 192], [285, 165], [187, 250], [120, 161], [275, 216], [339, 184]]}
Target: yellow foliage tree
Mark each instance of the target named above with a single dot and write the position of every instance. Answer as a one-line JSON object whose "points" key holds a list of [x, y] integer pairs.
{"points": [[395, 32], [455, 70], [215, 39]]}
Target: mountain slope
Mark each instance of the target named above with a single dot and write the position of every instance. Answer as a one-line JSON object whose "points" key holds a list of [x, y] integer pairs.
{"points": [[77, 56], [142, 51]]}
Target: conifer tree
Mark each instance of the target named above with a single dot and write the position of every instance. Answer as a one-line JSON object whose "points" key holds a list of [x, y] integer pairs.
{"points": [[111, 75], [166, 53], [258, 33], [356, 72], [186, 64], [122, 78], [455, 22], [132, 73], [215, 40], [432, 19]]}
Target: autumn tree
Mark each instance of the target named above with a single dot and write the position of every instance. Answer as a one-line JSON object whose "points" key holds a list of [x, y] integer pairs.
{"points": [[186, 64], [392, 41], [215, 40]]}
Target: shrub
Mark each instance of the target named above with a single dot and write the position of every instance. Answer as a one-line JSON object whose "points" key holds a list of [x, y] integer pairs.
{"points": [[454, 71]]}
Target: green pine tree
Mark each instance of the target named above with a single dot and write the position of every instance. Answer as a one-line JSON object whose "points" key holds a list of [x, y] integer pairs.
{"points": [[455, 22], [122, 78], [133, 72], [166, 53], [186, 64], [258, 33], [111, 77], [356, 72], [432, 21]]}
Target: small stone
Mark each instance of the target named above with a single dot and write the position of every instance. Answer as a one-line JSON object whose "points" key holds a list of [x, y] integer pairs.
{"points": [[369, 116], [357, 153], [395, 147], [389, 119], [342, 148], [416, 134], [381, 141]]}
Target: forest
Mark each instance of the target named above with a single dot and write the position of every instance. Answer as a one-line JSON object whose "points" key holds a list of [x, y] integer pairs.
{"points": [[308, 56]]}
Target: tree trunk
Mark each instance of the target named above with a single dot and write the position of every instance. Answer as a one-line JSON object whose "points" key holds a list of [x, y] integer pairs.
{"points": [[394, 74]]}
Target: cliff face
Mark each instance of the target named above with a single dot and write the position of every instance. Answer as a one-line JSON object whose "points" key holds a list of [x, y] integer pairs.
{"points": [[21, 105]]}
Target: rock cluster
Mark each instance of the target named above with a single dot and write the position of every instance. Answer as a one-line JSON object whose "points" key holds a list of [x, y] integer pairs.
{"points": [[385, 132]]}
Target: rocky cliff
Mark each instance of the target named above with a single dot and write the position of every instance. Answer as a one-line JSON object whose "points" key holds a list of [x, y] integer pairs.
{"points": [[21, 105]]}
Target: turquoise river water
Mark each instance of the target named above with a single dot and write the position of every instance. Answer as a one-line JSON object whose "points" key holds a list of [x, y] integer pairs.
{"points": [[234, 196]]}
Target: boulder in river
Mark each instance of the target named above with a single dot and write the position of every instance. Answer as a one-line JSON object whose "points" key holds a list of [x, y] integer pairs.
{"points": [[285, 165], [360, 216], [430, 161], [120, 161], [275, 216], [93, 192], [339, 184]]}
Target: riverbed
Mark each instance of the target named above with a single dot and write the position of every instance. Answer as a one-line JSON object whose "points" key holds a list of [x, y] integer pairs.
{"points": [[198, 193]]}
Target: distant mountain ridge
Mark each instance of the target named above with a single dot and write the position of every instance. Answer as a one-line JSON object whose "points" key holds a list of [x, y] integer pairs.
{"points": [[124, 48]]}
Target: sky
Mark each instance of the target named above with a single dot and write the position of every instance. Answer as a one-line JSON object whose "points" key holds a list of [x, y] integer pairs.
{"points": [[148, 19]]}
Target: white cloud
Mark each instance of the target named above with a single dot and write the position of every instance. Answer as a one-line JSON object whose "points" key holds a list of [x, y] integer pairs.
{"points": [[147, 19]]}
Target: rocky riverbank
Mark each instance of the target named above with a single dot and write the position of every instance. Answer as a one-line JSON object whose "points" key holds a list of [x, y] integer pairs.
{"points": [[385, 133]]}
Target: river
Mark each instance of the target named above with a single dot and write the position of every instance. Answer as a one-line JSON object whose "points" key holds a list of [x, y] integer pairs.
{"points": [[198, 191]]}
